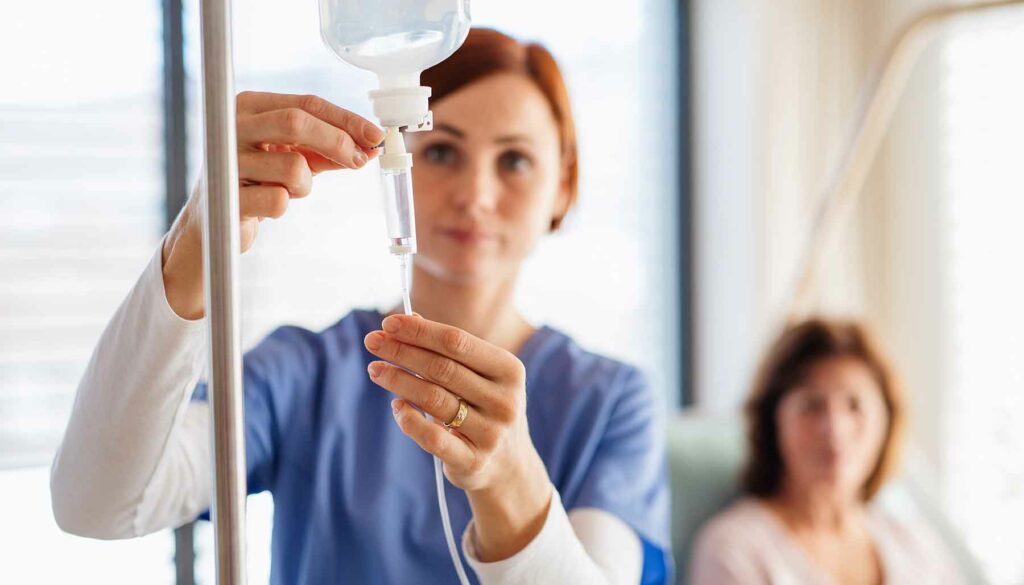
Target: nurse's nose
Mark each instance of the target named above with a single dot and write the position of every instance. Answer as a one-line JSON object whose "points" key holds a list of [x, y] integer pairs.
{"points": [[476, 191]]}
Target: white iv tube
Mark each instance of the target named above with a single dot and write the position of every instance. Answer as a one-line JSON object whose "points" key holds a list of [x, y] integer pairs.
{"points": [[395, 165], [406, 268]]}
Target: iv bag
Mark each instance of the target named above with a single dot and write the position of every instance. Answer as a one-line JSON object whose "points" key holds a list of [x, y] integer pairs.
{"points": [[396, 39]]}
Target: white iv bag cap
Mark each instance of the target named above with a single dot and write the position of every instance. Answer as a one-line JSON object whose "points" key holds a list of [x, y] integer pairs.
{"points": [[395, 157], [403, 106]]}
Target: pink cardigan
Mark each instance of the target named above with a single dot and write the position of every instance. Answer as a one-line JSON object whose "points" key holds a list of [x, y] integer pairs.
{"points": [[747, 545]]}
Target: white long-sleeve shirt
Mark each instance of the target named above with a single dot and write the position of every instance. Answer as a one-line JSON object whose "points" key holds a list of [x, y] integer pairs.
{"points": [[136, 456]]}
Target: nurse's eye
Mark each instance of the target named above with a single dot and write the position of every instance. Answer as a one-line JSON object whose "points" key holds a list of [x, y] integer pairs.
{"points": [[515, 161], [441, 154]]}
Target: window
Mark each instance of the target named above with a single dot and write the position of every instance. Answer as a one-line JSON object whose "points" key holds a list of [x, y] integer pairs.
{"points": [[81, 211], [984, 313]]}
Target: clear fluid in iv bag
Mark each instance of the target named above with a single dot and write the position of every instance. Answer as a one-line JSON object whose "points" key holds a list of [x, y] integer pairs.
{"points": [[391, 53], [394, 37]]}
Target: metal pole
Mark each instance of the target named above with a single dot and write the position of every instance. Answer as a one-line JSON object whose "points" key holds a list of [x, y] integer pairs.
{"points": [[847, 178], [221, 254]]}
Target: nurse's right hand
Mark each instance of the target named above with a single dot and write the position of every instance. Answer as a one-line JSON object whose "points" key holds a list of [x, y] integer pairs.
{"points": [[283, 141]]}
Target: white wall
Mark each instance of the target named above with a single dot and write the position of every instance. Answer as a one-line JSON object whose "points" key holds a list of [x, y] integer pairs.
{"points": [[775, 85]]}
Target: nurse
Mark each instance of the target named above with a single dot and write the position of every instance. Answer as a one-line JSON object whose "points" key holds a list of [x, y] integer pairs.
{"points": [[555, 453]]}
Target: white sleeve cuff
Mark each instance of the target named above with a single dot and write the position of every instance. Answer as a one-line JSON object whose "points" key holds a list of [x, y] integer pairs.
{"points": [[555, 555]]}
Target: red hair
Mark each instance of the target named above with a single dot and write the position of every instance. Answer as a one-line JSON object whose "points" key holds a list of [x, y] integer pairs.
{"points": [[488, 52]]}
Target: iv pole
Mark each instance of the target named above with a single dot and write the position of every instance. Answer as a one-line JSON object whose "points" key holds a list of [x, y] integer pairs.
{"points": [[847, 179], [221, 256]]}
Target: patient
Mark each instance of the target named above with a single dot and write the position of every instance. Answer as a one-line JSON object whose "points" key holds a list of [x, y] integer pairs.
{"points": [[825, 422]]}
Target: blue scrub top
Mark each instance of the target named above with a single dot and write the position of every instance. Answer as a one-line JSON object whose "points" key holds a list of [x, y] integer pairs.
{"points": [[354, 498]]}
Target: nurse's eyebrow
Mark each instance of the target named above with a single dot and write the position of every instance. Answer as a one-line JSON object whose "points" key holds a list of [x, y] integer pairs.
{"points": [[451, 130], [512, 138], [508, 138]]}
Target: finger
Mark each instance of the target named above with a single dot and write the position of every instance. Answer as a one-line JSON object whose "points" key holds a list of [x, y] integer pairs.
{"points": [[319, 163], [262, 201], [427, 396], [482, 357], [364, 132], [435, 368], [432, 438], [316, 161], [287, 169], [296, 127]]}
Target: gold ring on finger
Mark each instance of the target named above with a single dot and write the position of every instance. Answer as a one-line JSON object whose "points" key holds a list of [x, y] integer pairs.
{"points": [[460, 416]]}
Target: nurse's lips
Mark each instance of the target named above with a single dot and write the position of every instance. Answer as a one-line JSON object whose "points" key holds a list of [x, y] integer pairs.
{"points": [[468, 236]]}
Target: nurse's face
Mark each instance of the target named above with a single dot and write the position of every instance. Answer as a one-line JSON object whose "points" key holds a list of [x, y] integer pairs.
{"points": [[488, 180], [832, 426]]}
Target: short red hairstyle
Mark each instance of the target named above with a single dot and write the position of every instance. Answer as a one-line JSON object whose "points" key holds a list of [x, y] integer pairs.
{"points": [[488, 52]]}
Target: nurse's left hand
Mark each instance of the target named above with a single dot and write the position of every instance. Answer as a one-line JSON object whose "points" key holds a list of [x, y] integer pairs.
{"points": [[492, 447], [491, 455]]}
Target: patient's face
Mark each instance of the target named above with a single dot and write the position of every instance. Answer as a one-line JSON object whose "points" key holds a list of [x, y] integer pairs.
{"points": [[832, 426]]}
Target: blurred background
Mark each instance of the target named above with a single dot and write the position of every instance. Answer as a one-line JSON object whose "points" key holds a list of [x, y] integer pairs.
{"points": [[707, 131]]}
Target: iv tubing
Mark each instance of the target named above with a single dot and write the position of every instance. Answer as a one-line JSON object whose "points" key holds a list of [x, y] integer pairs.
{"points": [[449, 536], [442, 499]]}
